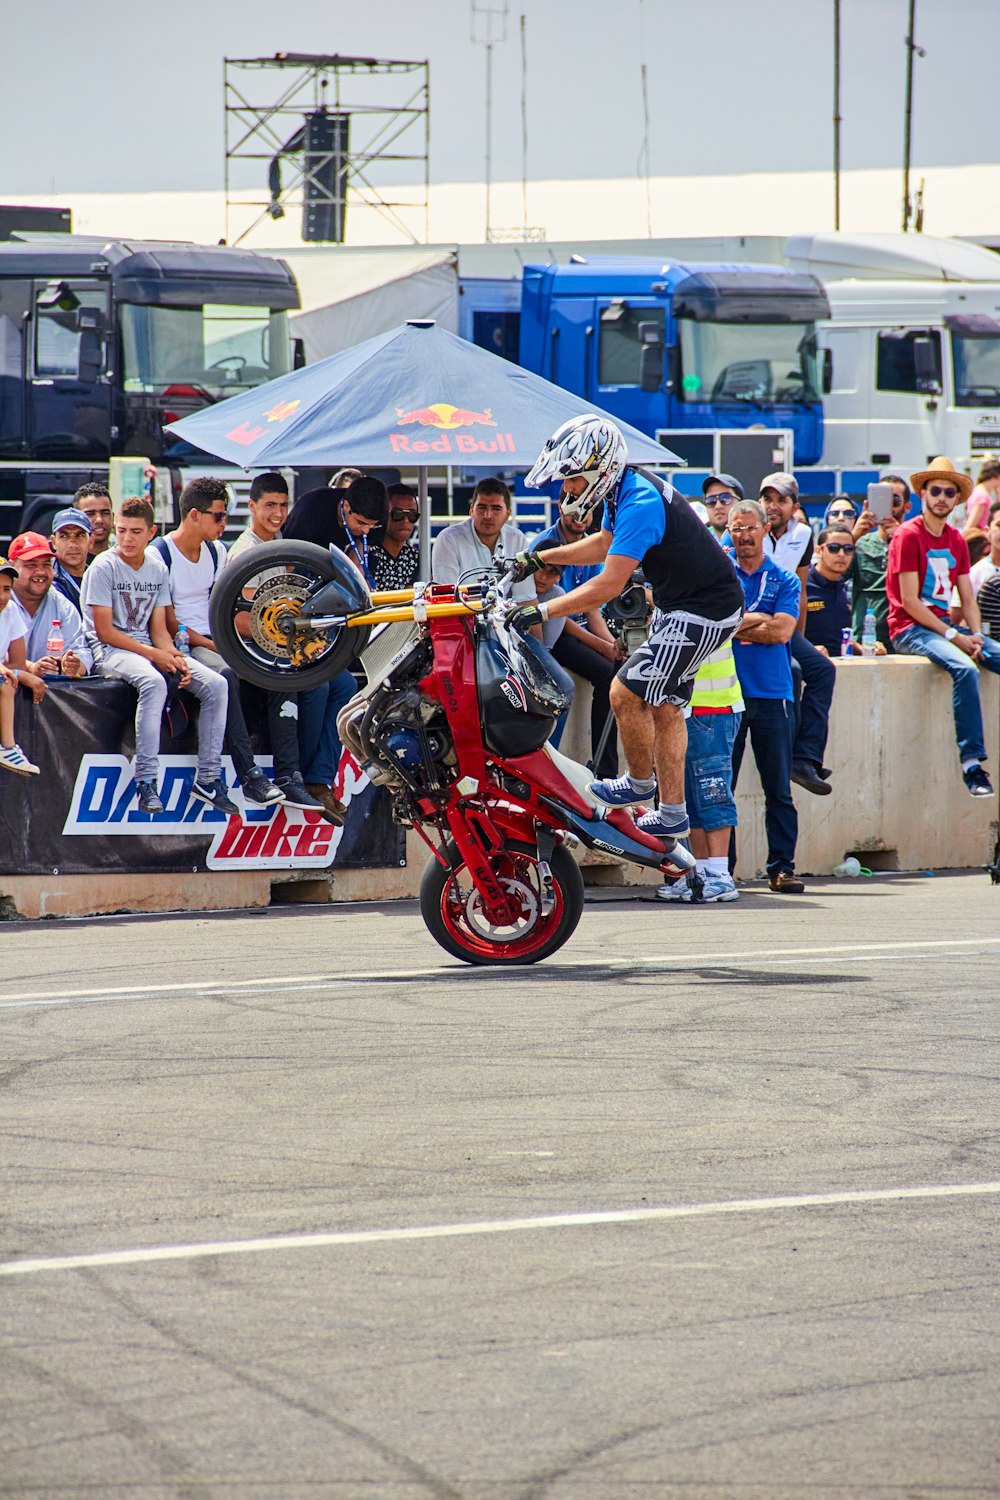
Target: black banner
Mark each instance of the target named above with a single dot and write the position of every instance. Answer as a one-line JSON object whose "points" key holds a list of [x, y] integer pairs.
{"points": [[79, 816]]}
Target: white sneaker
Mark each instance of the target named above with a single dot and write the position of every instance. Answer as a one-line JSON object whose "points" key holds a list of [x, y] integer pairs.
{"points": [[720, 888], [675, 890], [13, 758]]}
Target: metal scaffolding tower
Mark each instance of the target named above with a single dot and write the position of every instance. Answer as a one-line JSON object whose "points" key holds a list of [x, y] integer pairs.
{"points": [[313, 138]]}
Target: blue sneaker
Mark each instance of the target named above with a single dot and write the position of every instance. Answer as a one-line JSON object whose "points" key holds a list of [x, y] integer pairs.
{"points": [[214, 793], [618, 791], [656, 824]]}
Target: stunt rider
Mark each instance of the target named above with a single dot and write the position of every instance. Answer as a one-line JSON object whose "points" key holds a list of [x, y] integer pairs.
{"points": [[699, 604]]}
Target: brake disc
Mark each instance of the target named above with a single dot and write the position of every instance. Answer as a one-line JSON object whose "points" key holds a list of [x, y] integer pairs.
{"points": [[522, 896], [272, 604]]}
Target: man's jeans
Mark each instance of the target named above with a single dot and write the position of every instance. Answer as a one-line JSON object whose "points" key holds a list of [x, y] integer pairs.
{"points": [[319, 742], [815, 677], [149, 682], [770, 722], [964, 674], [282, 719]]}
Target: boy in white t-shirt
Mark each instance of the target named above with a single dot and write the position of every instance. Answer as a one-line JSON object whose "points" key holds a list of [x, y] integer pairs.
{"points": [[195, 556], [13, 669]]}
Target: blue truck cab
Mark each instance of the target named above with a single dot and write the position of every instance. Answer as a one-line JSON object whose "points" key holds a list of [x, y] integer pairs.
{"points": [[681, 346], [102, 343]]}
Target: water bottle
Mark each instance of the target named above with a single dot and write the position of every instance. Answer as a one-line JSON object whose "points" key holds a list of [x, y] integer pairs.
{"points": [[847, 869], [182, 640], [845, 643], [868, 635], [55, 643]]}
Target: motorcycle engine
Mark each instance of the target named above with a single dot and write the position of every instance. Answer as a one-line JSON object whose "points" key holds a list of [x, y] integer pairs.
{"points": [[412, 742]]}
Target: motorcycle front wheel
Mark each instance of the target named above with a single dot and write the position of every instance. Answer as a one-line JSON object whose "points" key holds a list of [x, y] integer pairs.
{"points": [[260, 591], [452, 908]]}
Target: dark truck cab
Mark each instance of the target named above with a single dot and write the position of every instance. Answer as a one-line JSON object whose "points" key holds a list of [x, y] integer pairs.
{"points": [[102, 343]]}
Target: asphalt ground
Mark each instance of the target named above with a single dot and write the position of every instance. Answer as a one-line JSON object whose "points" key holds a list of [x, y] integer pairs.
{"points": [[705, 1205]]}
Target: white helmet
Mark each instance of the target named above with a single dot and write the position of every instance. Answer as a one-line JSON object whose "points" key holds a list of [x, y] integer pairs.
{"points": [[590, 446]]}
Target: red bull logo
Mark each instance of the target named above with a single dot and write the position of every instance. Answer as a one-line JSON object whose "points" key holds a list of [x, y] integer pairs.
{"points": [[446, 419]]}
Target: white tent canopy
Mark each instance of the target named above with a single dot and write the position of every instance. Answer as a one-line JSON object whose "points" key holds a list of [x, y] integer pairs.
{"points": [[351, 295]]}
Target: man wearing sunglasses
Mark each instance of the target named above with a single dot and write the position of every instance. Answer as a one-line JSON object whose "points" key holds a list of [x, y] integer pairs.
{"points": [[927, 559], [720, 490], [394, 562], [828, 606]]}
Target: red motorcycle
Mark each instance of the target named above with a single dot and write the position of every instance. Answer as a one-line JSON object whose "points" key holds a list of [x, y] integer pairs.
{"points": [[454, 720]]}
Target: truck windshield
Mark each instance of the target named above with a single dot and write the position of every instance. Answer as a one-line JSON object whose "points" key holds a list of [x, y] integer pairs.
{"points": [[219, 348], [977, 370], [757, 364]]}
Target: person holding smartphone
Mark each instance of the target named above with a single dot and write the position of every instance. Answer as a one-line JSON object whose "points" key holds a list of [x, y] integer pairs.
{"points": [[871, 556]]}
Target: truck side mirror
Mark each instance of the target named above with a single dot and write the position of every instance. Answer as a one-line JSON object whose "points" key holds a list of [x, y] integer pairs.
{"points": [[651, 367], [827, 371], [673, 368], [90, 364], [298, 354], [925, 365]]}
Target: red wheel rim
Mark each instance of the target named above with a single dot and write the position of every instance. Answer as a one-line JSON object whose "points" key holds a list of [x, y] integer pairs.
{"points": [[468, 926]]}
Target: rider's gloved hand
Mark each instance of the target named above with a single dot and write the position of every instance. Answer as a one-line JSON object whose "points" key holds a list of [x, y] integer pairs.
{"points": [[523, 616], [526, 563]]}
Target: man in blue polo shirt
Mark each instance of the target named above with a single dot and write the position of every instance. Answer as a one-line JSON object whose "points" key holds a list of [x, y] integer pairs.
{"points": [[764, 667]]}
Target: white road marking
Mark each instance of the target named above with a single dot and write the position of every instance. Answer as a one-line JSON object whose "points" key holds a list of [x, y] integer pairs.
{"points": [[853, 952], [491, 1226]]}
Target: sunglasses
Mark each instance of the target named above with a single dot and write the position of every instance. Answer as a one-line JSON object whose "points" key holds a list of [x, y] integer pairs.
{"points": [[840, 547], [405, 515], [841, 515], [726, 498], [947, 490], [218, 516]]}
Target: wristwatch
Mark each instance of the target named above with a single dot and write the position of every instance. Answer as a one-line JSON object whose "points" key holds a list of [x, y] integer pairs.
{"points": [[950, 633]]}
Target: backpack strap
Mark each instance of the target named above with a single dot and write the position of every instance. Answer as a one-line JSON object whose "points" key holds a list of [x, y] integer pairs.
{"points": [[160, 545]]}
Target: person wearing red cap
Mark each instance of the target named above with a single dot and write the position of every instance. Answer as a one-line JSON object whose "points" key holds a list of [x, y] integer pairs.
{"points": [[13, 672], [45, 612]]}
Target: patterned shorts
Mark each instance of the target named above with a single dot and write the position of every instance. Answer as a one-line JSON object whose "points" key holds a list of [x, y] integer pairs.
{"points": [[664, 668]]}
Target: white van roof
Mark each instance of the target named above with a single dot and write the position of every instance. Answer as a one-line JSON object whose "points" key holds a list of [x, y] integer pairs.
{"points": [[867, 302], [895, 257]]}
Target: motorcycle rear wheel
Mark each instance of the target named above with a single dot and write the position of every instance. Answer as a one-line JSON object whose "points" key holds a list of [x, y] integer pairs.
{"points": [[452, 909], [282, 574]]}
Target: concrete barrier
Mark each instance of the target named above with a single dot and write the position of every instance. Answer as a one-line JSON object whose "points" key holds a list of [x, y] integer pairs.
{"points": [[898, 802], [898, 798]]}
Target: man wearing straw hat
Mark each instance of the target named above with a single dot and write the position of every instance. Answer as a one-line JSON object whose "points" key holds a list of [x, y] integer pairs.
{"points": [[927, 558]]}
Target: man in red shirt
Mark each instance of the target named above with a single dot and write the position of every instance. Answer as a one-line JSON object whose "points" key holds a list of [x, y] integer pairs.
{"points": [[927, 558]]}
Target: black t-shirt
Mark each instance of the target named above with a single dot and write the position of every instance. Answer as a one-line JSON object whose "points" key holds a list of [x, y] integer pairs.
{"points": [[686, 568], [828, 611]]}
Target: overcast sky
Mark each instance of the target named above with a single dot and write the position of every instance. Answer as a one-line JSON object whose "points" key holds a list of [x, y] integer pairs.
{"points": [[110, 96]]}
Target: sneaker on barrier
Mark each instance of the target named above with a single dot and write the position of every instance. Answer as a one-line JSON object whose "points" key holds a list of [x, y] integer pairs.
{"points": [[977, 782], [214, 793], [296, 795], [257, 788], [620, 791], [13, 758], [148, 797]]}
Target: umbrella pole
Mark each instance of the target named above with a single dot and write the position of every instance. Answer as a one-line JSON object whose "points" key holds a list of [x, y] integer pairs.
{"points": [[424, 524]]}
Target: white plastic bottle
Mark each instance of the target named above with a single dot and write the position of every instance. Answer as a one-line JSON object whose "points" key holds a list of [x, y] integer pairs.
{"points": [[55, 642], [182, 640], [869, 636]]}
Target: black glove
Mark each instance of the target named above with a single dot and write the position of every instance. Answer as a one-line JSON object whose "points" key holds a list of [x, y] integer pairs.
{"points": [[523, 564], [523, 616]]}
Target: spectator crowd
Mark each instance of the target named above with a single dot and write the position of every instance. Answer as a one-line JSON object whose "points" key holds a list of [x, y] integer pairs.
{"points": [[106, 595]]}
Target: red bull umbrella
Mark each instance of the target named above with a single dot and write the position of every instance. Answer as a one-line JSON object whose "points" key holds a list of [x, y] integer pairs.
{"points": [[417, 396]]}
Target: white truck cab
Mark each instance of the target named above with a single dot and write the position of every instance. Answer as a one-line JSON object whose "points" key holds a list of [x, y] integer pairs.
{"points": [[912, 371]]}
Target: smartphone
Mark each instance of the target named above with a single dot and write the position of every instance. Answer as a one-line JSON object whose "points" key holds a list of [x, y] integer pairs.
{"points": [[880, 501]]}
